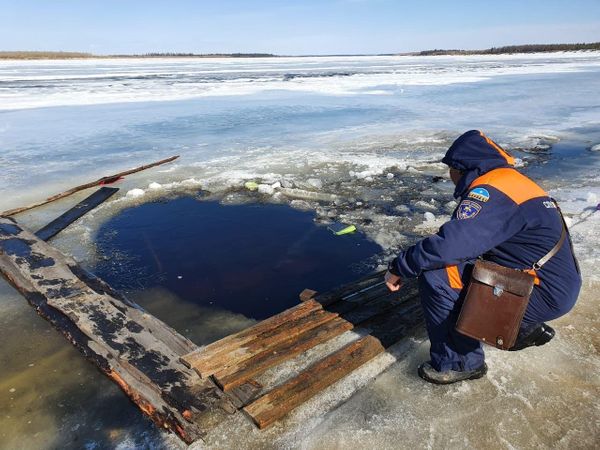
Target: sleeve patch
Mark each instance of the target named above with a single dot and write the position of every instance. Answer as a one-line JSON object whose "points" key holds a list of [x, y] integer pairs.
{"points": [[480, 194], [468, 209]]}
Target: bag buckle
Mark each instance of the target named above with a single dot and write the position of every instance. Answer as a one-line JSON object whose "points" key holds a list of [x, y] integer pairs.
{"points": [[498, 291]]}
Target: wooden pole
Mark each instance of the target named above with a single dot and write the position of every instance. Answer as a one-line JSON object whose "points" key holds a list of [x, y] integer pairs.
{"points": [[104, 180]]}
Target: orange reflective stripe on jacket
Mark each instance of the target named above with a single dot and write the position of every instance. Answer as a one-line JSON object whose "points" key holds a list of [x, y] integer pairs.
{"points": [[454, 277], [509, 159], [513, 184], [536, 279]]}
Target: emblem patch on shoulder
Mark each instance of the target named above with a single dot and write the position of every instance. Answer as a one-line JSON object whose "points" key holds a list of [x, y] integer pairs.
{"points": [[468, 209], [480, 194]]}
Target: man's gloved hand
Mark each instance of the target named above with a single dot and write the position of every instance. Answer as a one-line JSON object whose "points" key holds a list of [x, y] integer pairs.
{"points": [[393, 282]]}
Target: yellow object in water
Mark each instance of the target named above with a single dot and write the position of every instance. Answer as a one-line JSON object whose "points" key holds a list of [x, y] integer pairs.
{"points": [[340, 229]]}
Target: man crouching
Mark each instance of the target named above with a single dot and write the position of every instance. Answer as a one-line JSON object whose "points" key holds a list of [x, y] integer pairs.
{"points": [[505, 218]]}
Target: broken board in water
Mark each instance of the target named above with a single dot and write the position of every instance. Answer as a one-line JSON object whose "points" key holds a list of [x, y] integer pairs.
{"points": [[77, 211]]}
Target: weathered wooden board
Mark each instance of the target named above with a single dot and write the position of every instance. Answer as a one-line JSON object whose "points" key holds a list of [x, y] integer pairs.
{"points": [[307, 294], [396, 324], [245, 393], [337, 294], [372, 308], [79, 210], [263, 341], [233, 376], [136, 350], [343, 307], [376, 302], [234, 341], [275, 404]]}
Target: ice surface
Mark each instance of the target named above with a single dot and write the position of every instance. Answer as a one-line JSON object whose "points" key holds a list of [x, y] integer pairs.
{"points": [[84, 82], [134, 193]]}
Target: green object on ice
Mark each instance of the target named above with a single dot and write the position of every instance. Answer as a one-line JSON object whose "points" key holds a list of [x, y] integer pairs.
{"points": [[251, 185], [341, 228]]}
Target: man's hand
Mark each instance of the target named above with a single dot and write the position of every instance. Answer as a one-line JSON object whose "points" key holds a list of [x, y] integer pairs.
{"points": [[393, 282]]}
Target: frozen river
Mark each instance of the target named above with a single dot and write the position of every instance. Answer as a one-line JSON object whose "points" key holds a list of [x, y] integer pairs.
{"points": [[370, 129]]}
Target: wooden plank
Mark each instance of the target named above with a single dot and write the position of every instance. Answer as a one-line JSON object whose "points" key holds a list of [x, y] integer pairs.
{"points": [[137, 351], [345, 306], [396, 324], [262, 342], [245, 393], [372, 308], [236, 340], [77, 211], [101, 181], [307, 294], [337, 294], [379, 301], [234, 376], [275, 404]]}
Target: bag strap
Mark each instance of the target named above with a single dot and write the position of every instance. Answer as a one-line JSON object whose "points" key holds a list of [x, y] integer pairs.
{"points": [[563, 235]]}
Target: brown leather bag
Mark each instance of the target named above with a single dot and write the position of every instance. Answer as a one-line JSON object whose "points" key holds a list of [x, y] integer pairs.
{"points": [[496, 300]]}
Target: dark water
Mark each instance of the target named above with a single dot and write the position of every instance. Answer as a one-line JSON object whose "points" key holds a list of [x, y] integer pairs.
{"points": [[565, 163], [248, 259]]}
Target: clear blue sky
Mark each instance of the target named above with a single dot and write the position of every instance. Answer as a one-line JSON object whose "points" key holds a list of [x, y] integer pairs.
{"points": [[291, 27]]}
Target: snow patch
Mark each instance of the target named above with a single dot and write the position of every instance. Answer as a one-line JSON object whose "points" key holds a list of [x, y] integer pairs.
{"points": [[135, 193]]}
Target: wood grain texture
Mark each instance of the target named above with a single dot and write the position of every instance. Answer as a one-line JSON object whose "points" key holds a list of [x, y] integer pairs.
{"points": [[328, 298], [307, 294], [359, 299], [245, 393], [261, 342], [278, 402], [136, 350], [233, 376], [235, 340]]}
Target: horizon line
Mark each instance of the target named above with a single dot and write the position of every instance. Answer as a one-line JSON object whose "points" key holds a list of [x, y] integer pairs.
{"points": [[491, 50]]}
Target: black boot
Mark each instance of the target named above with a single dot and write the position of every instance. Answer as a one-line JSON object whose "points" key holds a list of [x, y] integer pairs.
{"points": [[540, 335], [431, 375]]}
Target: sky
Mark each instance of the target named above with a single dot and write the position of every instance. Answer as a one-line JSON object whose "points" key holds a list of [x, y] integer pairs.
{"points": [[291, 27]]}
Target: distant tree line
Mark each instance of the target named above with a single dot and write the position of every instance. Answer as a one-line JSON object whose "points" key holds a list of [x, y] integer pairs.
{"points": [[528, 48], [197, 55], [74, 55], [44, 55]]}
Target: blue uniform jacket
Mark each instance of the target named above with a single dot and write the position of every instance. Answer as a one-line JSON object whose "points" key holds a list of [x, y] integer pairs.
{"points": [[505, 217]]}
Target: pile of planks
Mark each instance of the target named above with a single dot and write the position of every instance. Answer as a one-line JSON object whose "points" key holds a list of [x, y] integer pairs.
{"points": [[235, 362]]}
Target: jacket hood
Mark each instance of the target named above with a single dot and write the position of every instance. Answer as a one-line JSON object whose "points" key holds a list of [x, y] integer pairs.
{"points": [[474, 154]]}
